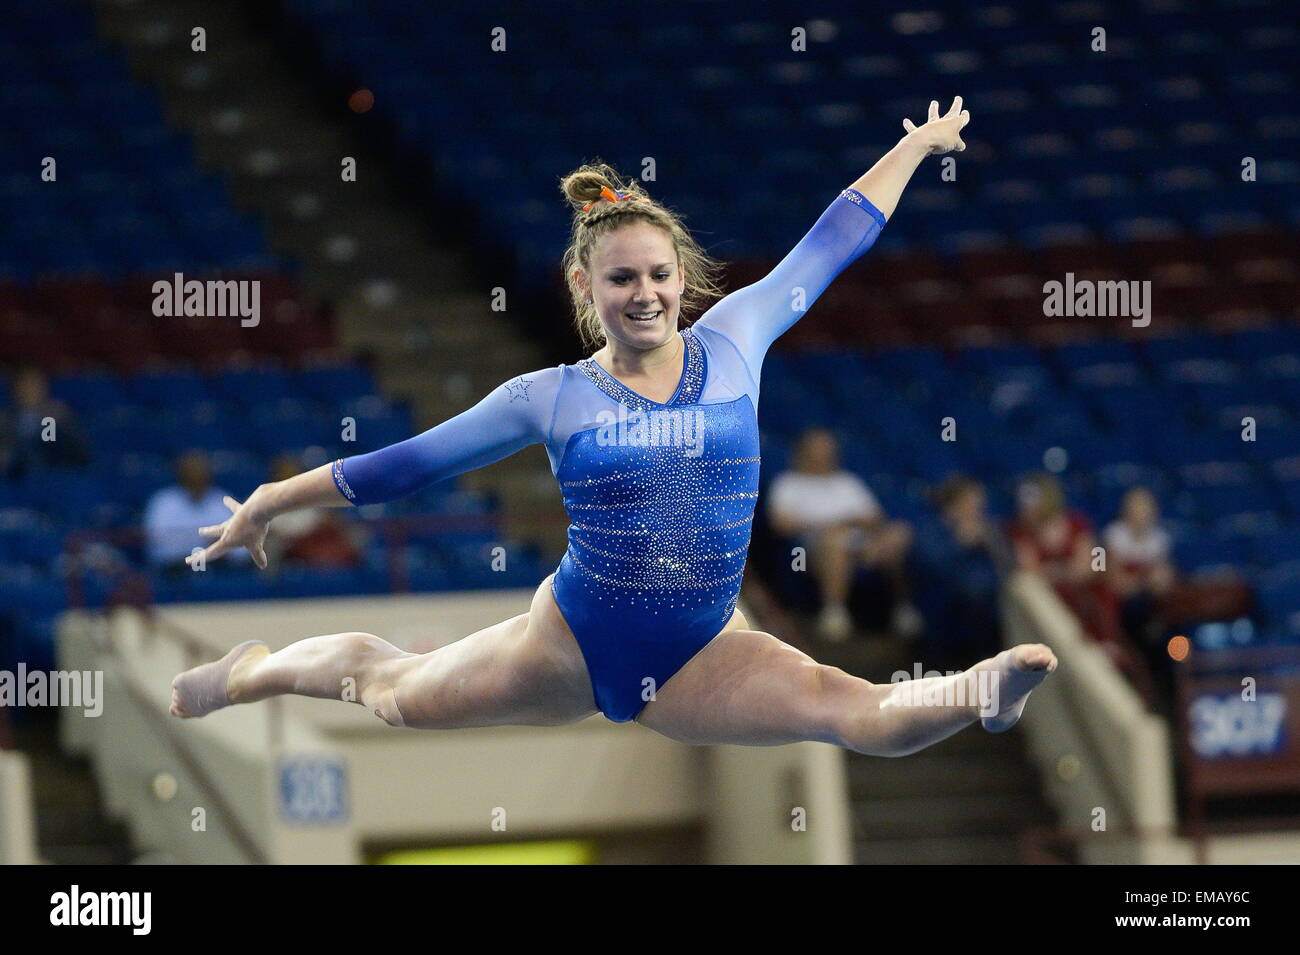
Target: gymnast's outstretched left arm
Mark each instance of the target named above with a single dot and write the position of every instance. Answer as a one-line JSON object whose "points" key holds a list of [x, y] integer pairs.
{"points": [[755, 316]]}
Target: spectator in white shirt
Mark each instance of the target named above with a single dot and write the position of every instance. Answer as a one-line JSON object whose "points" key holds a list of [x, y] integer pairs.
{"points": [[834, 515], [174, 514], [1139, 568]]}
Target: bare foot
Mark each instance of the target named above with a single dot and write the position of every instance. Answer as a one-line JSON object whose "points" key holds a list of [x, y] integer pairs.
{"points": [[1019, 670], [199, 691]]}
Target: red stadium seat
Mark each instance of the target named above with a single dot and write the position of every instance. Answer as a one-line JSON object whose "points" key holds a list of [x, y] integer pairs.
{"points": [[1056, 260], [1147, 254], [979, 264], [900, 268]]}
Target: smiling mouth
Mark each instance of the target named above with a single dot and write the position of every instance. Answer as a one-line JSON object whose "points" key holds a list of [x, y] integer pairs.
{"points": [[644, 316]]}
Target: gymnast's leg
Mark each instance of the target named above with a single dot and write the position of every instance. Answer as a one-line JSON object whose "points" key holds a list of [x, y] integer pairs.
{"points": [[356, 667], [526, 670], [748, 688]]}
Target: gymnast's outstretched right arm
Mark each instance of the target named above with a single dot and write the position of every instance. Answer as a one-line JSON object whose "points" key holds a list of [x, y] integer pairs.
{"points": [[514, 415], [884, 182], [753, 317]]}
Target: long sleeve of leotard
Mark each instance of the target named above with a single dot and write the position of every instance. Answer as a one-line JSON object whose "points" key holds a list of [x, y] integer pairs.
{"points": [[512, 416], [755, 316]]}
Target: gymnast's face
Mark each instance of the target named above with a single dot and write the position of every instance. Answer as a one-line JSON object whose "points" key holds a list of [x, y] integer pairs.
{"points": [[634, 271]]}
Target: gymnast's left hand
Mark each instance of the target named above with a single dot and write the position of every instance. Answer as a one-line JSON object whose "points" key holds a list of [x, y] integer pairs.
{"points": [[941, 134], [243, 529]]}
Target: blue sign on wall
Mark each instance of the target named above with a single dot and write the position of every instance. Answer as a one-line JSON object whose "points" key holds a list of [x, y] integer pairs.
{"points": [[314, 791], [1226, 725]]}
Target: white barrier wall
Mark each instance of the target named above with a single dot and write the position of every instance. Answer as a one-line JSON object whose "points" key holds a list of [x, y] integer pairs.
{"points": [[412, 787], [779, 803], [1089, 731], [143, 758], [1097, 746], [17, 814]]}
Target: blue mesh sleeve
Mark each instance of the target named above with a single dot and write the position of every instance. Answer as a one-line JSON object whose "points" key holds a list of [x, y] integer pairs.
{"points": [[757, 315], [514, 415]]}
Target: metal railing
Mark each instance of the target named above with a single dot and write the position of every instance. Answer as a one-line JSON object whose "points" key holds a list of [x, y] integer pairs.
{"points": [[133, 586], [132, 579]]}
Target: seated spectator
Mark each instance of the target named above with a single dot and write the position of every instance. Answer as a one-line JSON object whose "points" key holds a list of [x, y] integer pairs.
{"points": [[834, 515], [24, 448], [174, 514], [1057, 543], [1137, 560], [313, 537], [961, 563]]}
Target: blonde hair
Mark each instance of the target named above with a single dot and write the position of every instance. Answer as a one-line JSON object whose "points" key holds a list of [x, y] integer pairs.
{"points": [[1051, 495], [582, 186]]}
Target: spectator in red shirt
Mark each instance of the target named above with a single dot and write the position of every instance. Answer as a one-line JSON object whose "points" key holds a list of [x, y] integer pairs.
{"points": [[310, 538], [1057, 542]]}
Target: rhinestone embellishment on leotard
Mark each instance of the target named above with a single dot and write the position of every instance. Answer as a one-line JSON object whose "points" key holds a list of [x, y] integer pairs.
{"points": [[654, 527], [688, 391], [342, 482]]}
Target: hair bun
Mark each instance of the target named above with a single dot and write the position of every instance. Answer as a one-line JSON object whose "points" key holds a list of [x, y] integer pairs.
{"points": [[587, 184]]}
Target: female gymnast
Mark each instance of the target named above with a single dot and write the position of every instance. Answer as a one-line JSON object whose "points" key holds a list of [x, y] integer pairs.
{"points": [[639, 621]]}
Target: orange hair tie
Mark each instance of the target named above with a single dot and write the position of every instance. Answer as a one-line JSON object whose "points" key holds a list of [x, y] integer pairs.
{"points": [[609, 195]]}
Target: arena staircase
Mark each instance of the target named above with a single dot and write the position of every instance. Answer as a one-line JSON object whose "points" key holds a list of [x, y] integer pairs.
{"points": [[367, 246], [71, 828]]}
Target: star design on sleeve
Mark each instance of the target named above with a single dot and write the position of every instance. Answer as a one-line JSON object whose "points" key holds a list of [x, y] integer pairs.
{"points": [[518, 388]]}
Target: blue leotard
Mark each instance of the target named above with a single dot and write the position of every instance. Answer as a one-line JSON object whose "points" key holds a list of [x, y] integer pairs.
{"points": [[660, 497]]}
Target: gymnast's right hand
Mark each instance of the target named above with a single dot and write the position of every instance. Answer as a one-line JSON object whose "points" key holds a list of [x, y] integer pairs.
{"points": [[941, 134], [244, 529]]}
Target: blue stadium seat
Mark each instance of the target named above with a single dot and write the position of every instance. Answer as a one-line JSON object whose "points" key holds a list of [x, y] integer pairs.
{"points": [[1279, 547]]}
